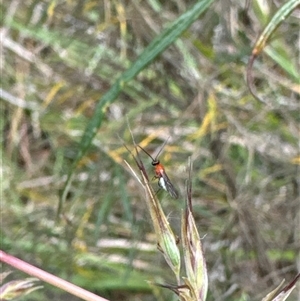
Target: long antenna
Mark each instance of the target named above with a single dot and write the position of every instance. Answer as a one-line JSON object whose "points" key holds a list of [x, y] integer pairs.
{"points": [[146, 152], [160, 150], [162, 147]]}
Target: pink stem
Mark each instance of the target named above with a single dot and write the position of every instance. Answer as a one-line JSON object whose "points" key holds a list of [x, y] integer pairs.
{"points": [[49, 278]]}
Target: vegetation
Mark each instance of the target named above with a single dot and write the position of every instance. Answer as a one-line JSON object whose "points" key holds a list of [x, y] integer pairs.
{"points": [[78, 75]]}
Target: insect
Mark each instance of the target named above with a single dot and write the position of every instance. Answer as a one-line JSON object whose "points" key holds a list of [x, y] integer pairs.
{"points": [[160, 173]]}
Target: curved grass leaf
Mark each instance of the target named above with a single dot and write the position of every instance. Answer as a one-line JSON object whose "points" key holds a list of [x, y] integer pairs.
{"points": [[278, 18], [157, 46]]}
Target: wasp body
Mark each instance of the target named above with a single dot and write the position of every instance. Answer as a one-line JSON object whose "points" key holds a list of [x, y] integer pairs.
{"points": [[160, 173]]}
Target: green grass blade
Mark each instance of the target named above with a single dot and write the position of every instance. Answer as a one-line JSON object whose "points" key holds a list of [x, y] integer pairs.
{"points": [[284, 62], [277, 19], [157, 46]]}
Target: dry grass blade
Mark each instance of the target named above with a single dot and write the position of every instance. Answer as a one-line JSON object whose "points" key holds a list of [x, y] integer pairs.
{"points": [[195, 264], [166, 239], [18, 288]]}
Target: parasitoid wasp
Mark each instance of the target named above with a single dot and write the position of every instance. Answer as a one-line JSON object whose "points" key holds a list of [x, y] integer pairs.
{"points": [[160, 173]]}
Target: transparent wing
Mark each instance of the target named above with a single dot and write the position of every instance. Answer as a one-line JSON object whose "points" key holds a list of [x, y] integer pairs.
{"points": [[165, 183]]}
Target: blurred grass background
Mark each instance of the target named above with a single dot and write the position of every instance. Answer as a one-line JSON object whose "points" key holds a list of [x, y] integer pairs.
{"points": [[60, 57]]}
